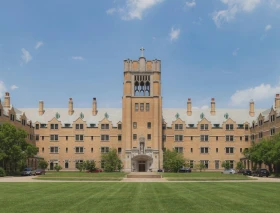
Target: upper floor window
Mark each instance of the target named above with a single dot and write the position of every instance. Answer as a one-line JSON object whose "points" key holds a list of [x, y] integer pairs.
{"points": [[260, 134], [37, 126], [178, 126], [272, 118], [149, 137], [134, 136], [79, 149], [179, 138], [37, 137], [163, 126], [149, 125], [134, 125], [204, 150], [229, 150], [54, 137], [136, 107], [104, 126], [229, 138], [246, 138], [105, 137], [54, 126], [142, 85], [141, 107], [204, 126], [54, 149], [79, 137], [260, 122], [246, 126], [147, 107], [119, 137], [179, 149], [229, 126], [0, 112], [12, 117], [191, 125], [204, 137], [272, 131], [79, 126], [104, 149], [216, 125], [23, 122], [119, 126]]}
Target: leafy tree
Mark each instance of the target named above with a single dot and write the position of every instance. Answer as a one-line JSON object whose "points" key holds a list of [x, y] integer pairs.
{"points": [[43, 164], [13, 147], [89, 165], [80, 166], [111, 160], [239, 165], [226, 165], [2, 172], [57, 167], [173, 161], [201, 166]]}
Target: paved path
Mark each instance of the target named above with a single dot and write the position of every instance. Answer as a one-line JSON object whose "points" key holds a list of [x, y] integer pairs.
{"points": [[31, 179]]}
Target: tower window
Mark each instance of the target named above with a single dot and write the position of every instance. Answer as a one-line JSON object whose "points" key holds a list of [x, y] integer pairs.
{"points": [[147, 107], [149, 136], [136, 107], [141, 107], [149, 125], [142, 85], [134, 125]]}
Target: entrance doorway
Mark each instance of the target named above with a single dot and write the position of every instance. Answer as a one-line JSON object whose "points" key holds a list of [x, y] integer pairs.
{"points": [[142, 166]]}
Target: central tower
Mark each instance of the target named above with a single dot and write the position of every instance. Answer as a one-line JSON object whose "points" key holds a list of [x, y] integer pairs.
{"points": [[142, 115]]}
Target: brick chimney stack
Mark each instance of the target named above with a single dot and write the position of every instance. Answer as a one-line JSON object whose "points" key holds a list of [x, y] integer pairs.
{"points": [[277, 101], [41, 108], [213, 107], [189, 107], [7, 100], [252, 108], [94, 107], [70, 107]]}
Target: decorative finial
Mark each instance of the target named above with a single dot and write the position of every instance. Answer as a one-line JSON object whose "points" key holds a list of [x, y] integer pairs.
{"points": [[142, 51], [57, 115], [82, 115], [201, 115], [177, 115], [226, 116]]}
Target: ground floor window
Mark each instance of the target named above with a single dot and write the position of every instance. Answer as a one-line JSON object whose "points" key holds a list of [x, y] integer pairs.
{"points": [[78, 162], [66, 164], [231, 164], [191, 163], [217, 164], [179, 149], [205, 162]]}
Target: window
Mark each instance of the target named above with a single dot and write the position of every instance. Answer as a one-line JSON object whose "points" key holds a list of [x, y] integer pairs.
{"points": [[246, 127], [179, 149], [240, 138], [119, 150], [37, 126], [66, 138], [240, 150], [260, 134], [78, 162], [105, 137], [272, 118], [66, 165], [104, 149], [191, 150], [163, 126], [119, 137], [205, 162], [163, 138], [204, 150], [79, 126], [91, 150], [134, 136], [179, 138], [229, 150], [79, 149], [92, 125], [229, 126], [43, 149], [229, 138], [217, 150], [191, 125], [104, 126], [54, 126], [231, 164], [217, 164], [141, 107], [149, 136], [147, 107], [191, 138], [203, 137], [191, 163], [216, 125], [23, 122], [178, 126], [54, 137], [260, 122], [119, 126], [79, 137], [136, 107], [149, 125], [66, 150], [43, 137], [67, 125], [204, 126], [246, 138], [54, 149], [0, 112], [92, 138], [252, 137], [240, 126], [134, 125], [272, 131], [37, 137], [43, 126], [12, 117]]}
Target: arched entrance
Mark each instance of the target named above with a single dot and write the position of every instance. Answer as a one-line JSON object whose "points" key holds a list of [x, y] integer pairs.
{"points": [[141, 163]]}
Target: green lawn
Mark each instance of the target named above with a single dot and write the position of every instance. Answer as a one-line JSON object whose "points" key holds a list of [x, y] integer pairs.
{"points": [[79, 176], [140, 197], [203, 176]]}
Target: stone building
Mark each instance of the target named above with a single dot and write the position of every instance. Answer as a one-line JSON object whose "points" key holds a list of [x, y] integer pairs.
{"points": [[142, 129]]}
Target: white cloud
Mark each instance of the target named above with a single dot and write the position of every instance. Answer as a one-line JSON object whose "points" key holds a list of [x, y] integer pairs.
{"points": [[235, 52], [275, 4], [258, 93], [111, 11], [134, 9], [38, 44], [2, 89], [233, 7], [26, 57], [13, 87], [268, 27], [174, 34], [80, 58], [202, 107], [191, 3]]}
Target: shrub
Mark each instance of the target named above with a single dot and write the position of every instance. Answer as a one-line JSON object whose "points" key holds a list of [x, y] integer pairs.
{"points": [[80, 166], [89, 165], [57, 168], [43, 164], [2, 172]]}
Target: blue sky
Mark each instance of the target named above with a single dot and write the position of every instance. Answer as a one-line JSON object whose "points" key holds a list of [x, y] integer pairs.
{"points": [[56, 49]]}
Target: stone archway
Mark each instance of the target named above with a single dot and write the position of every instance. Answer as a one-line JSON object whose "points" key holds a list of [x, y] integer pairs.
{"points": [[141, 163]]}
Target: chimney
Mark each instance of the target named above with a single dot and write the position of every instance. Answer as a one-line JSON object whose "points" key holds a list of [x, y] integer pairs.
{"points": [[41, 108], [94, 107], [70, 107], [277, 101], [252, 108], [213, 107], [189, 107], [7, 101]]}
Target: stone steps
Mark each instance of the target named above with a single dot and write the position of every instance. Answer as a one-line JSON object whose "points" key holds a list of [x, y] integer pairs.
{"points": [[143, 176]]}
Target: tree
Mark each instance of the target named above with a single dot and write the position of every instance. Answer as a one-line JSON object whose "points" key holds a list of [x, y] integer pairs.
{"points": [[57, 167], [201, 166], [43, 164], [89, 165], [80, 166], [226, 165], [239, 165], [111, 160], [173, 161], [13, 147]]}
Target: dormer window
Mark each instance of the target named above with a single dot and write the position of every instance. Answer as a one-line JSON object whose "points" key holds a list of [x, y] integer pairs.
{"points": [[104, 126], [246, 127], [23, 122], [12, 117], [119, 126], [260, 122], [229, 126], [216, 125], [92, 125], [240, 126], [79, 126], [178, 126], [272, 118], [203, 126], [43, 126], [0, 112], [191, 125], [67, 125]]}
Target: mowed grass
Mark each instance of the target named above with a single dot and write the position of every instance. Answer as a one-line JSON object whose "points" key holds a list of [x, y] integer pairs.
{"points": [[215, 197], [80, 176], [203, 176]]}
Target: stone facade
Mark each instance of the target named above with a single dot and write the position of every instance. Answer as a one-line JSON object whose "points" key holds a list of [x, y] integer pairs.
{"points": [[142, 129]]}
